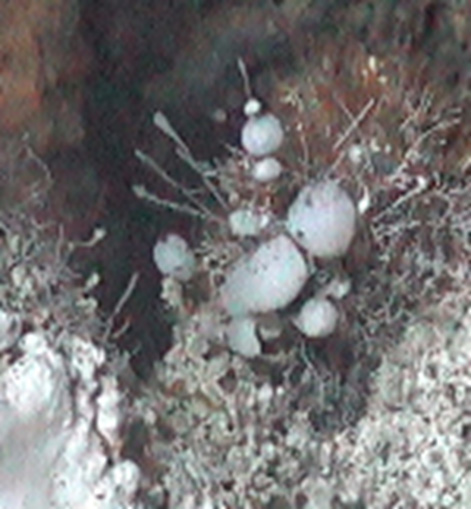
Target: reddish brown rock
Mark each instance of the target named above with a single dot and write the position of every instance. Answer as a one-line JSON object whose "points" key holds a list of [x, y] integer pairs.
{"points": [[41, 64]]}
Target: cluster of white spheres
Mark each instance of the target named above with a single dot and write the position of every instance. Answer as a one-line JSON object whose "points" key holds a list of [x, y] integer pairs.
{"points": [[262, 135], [320, 223]]}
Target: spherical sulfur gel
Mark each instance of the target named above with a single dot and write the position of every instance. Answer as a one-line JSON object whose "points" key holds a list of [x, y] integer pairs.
{"points": [[262, 135]]}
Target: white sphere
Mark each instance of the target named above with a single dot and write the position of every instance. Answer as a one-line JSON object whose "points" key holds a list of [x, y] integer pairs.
{"points": [[242, 337], [266, 280], [246, 222], [262, 135], [252, 107], [318, 318], [174, 258], [322, 219], [266, 169]]}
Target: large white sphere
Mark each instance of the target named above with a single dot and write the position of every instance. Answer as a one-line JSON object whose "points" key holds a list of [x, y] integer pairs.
{"points": [[318, 318], [266, 280], [262, 135], [174, 258], [322, 219]]}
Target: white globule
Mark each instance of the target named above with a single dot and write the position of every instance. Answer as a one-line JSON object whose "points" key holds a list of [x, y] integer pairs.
{"points": [[252, 107], [266, 169], [242, 337], [262, 135], [247, 222], [322, 219], [318, 318], [265, 280], [174, 258]]}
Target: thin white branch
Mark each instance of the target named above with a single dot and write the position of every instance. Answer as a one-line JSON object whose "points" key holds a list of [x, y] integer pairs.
{"points": [[141, 192], [148, 161], [354, 121]]}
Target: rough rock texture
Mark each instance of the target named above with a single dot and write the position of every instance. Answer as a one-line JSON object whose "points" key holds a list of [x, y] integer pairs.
{"points": [[61, 406], [42, 62]]}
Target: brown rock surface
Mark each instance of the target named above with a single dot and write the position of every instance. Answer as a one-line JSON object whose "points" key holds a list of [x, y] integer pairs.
{"points": [[41, 63]]}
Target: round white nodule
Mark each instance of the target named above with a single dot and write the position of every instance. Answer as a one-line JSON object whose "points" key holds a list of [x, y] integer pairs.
{"points": [[252, 107], [318, 318], [174, 258], [322, 219], [242, 337], [262, 135], [265, 280], [266, 169], [246, 222]]}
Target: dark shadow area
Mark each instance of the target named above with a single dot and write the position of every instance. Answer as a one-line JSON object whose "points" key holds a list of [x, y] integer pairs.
{"points": [[129, 43], [143, 59]]}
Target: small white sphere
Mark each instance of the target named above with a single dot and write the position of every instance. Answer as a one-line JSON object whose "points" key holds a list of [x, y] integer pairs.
{"points": [[356, 154], [266, 169], [247, 222], [318, 318], [262, 135], [265, 280], [322, 219], [174, 258], [252, 107], [242, 337]]}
